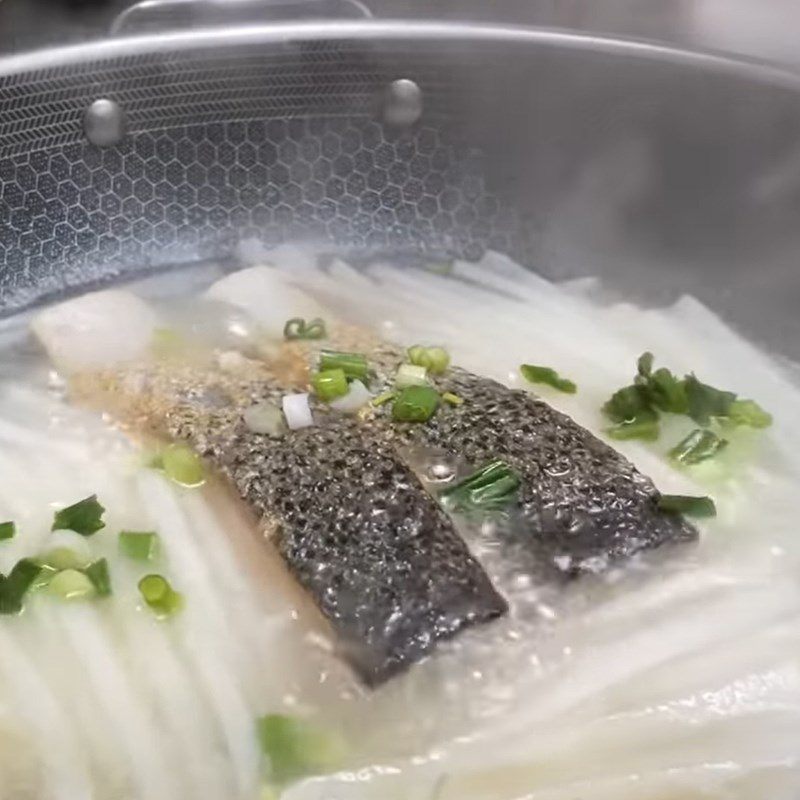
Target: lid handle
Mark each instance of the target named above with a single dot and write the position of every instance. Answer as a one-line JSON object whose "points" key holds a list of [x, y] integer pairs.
{"points": [[150, 16]]}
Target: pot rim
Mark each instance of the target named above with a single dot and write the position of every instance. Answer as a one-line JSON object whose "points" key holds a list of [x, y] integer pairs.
{"points": [[289, 33]]}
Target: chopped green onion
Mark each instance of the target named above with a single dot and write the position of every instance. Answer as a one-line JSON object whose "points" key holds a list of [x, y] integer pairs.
{"points": [[644, 427], [42, 580], [705, 402], [382, 399], [628, 404], [644, 366], [298, 328], [294, 748], [160, 596], [415, 404], [665, 391], [434, 359], [410, 375], [698, 446], [453, 399], [83, 517], [748, 412], [70, 584], [329, 384], [685, 504], [99, 575], [59, 558], [139, 546], [492, 487], [354, 365], [547, 376], [183, 465], [16, 584], [8, 530]]}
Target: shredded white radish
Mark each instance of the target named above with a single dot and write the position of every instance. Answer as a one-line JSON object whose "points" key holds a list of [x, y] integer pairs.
{"points": [[95, 330], [267, 296], [677, 676]]}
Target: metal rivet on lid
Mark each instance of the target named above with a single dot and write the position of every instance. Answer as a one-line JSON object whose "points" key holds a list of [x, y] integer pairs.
{"points": [[403, 103], [104, 123]]}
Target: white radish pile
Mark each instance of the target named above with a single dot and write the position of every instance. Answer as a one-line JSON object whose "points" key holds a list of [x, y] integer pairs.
{"points": [[676, 678], [101, 700]]}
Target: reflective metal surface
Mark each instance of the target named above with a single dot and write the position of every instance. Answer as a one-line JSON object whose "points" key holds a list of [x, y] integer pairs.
{"points": [[660, 170], [162, 15], [104, 122]]}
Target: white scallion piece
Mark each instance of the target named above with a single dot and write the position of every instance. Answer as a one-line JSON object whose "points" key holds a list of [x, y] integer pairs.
{"points": [[297, 411], [357, 396], [264, 418], [410, 375]]}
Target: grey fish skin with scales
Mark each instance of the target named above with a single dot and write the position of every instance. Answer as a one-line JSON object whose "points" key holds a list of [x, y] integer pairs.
{"points": [[361, 535], [582, 504], [353, 524]]}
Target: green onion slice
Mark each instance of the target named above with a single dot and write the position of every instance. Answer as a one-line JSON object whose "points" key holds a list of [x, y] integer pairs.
{"points": [[294, 748], [410, 375], [98, 574], [433, 359], [298, 328], [71, 584], [453, 399], [666, 392], [705, 402], [160, 596], [42, 580], [698, 446], [84, 517], [750, 413], [382, 399], [16, 584], [644, 427], [491, 488], [182, 465], [8, 530], [354, 365], [547, 376], [329, 384], [59, 558], [644, 365], [628, 404], [139, 545], [415, 404], [688, 505], [661, 390]]}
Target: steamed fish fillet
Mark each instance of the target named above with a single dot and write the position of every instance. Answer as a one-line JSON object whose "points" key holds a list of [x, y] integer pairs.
{"points": [[342, 500], [352, 522], [581, 504]]}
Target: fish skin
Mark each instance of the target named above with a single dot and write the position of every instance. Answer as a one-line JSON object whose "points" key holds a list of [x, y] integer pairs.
{"points": [[353, 524], [359, 532], [583, 505]]}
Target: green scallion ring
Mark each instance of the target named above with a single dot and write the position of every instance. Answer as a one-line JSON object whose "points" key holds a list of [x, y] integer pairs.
{"points": [[329, 384], [415, 404]]}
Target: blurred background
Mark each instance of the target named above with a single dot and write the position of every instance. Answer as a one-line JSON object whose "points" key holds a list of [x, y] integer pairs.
{"points": [[759, 28]]}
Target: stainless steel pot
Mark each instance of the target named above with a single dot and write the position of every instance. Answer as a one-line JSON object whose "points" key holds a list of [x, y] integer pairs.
{"points": [[659, 170]]}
